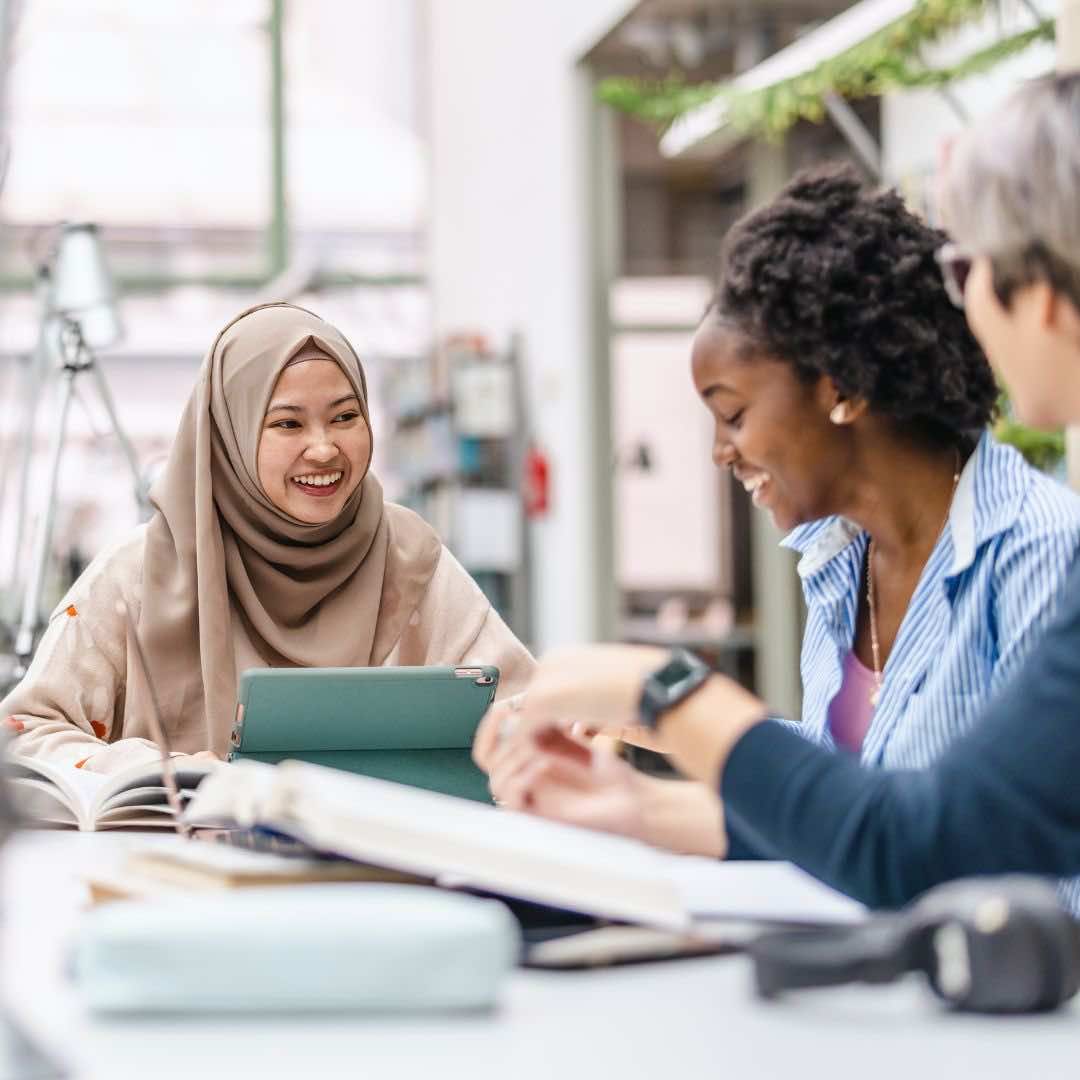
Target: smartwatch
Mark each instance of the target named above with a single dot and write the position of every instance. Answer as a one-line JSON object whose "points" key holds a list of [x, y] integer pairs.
{"points": [[674, 682]]}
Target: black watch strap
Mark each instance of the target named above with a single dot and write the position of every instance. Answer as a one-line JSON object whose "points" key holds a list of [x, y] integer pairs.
{"points": [[671, 683]]}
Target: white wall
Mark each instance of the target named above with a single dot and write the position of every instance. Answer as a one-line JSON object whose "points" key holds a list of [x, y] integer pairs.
{"points": [[508, 239], [128, 112], [355, 156], [916, 124]]}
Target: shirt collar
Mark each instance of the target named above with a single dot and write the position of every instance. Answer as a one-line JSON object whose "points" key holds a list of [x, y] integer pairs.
{"points": [[989, 496], [820, 542], [988, 499]]}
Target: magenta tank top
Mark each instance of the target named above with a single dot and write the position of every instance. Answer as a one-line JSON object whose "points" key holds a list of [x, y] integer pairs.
{"points": [[850, 712]]}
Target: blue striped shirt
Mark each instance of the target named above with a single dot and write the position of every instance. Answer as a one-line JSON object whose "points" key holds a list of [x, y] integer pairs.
{"points": [[987, 592]]}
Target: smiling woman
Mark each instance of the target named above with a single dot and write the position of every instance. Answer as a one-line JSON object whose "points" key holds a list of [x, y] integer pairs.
{"points": [[851, 400], [316, 443], [834, 364], [271, 545], [1003, 797]]}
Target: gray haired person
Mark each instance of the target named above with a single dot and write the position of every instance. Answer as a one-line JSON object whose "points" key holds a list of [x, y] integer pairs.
{"points": [[1011, 198]]}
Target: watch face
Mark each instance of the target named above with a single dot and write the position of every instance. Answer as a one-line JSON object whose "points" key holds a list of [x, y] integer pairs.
{"points": [[668, 685], [673, 673]]}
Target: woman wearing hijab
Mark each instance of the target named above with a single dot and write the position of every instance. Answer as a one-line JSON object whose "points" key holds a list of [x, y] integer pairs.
{"points": [[271, 546]]}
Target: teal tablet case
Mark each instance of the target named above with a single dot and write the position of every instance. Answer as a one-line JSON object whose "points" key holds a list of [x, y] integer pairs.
{"points": [[413, 725]]}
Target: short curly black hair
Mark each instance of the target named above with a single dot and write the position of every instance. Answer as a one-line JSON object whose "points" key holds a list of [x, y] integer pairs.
{"points": [[839, 279]]}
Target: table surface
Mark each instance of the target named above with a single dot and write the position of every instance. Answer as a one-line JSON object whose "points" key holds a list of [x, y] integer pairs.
{"points": [[689, 1018]]}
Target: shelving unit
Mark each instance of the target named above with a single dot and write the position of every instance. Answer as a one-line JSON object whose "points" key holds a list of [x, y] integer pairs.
{"points": [[731, 652], [460, 439]]}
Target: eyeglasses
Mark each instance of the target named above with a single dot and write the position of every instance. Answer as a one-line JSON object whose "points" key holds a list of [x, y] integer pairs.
{"points": [[955, 266]]}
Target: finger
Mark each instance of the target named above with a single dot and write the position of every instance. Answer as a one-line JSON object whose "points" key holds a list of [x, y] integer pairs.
{"points": [[509, 763], [510, 756], [518, 735], [515, 793], [573, 772], [554, 741], [550, 797], [545, 780], [543, 704], [584, 729], [487, 735], [565, 774], [507, 755], [497, 728]]}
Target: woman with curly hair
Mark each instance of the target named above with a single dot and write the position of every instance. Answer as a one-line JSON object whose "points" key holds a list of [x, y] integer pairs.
{"points": [[851, 400]]}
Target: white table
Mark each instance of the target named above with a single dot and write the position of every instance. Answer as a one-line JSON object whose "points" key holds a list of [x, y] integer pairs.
{"points": [[683, 1019]]}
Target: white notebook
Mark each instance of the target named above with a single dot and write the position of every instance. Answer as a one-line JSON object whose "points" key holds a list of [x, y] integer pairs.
{"points": [[62, 795], [468, 844]]}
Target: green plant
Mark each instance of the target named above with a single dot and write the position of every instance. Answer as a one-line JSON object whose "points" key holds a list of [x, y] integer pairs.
{"points": [[658, 101], [1043, 449], [888, 60]]}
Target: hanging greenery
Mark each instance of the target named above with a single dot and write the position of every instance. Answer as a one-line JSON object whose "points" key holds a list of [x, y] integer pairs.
{"points": [[891, 59], [659, 101], [888, 60]]}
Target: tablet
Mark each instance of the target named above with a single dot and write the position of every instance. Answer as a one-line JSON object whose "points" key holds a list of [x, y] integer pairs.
{"points": [[413, 725]]}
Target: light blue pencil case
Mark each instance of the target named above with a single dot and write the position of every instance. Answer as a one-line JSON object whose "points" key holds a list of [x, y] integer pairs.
{"points": [[366, 946]]}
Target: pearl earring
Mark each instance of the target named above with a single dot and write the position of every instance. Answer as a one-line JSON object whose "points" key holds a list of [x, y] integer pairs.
{"points": [[838, 414]]}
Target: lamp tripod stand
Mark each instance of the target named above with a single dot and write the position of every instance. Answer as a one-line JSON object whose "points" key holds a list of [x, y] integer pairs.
{"points": [[76, 358]]}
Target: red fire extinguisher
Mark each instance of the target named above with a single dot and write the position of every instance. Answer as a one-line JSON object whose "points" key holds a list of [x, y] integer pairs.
{"points": [[536, 482]]}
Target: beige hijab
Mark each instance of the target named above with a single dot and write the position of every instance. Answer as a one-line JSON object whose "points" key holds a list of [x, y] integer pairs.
{"points": [[222, 559]]}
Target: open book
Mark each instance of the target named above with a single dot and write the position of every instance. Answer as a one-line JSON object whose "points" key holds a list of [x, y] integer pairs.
{"points": [[51, 794], [465, 844]]}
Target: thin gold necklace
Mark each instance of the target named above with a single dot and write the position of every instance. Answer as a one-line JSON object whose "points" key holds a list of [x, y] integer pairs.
{"points": [[875, 646]]}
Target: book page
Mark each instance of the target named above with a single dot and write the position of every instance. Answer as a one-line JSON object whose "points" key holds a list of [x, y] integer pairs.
{"points": [[136, 817], [71, 787], [142, 784], [41, 802], [41, 786], [756, 889]]}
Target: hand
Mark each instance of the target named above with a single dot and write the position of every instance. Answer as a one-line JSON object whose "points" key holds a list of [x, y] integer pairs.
{"points": [[571, 783], [599, 687], [584, 692], [494, 727], [501, 720], [603, 792], [595, 688]]}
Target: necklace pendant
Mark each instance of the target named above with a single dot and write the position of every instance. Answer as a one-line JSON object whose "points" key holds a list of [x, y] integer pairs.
{"points": [[875, 696]]}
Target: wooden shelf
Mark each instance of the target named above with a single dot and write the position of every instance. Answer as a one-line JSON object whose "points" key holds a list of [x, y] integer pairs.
{"points": [[642, 631]]}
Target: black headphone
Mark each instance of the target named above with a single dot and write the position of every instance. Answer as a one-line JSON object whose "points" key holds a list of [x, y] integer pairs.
{"points": [[996, 945]]}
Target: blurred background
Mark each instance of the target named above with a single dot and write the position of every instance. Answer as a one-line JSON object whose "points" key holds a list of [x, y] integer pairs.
{"points": [[512, 209]]}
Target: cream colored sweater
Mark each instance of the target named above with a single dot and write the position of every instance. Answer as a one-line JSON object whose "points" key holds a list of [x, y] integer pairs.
{"points": [[71, 702]]}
